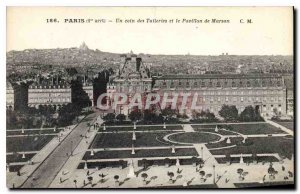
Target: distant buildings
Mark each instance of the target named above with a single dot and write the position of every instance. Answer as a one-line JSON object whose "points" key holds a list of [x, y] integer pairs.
{"points": [[10, 96], [88, 88], [49, 93]]}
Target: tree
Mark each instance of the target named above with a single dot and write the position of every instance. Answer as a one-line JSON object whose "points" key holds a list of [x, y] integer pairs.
{"points": [[202, 173], [229, 113], [144, 176], [116, 177], [204, 116], [121, 117], [240, 172], [272, 172], [75, 183], [144, 163], [250, 114], [90, 179], [201, 162], [135, 115], [171, 175], [168, 112], [167, 161], [149, 116], [109, 117]]}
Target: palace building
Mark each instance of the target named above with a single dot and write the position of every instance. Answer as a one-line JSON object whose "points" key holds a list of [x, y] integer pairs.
{"points": [[133, 76], [266, 92]]}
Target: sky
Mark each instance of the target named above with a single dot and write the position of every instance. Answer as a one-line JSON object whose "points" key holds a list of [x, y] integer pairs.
{"points": [[270, 33]]}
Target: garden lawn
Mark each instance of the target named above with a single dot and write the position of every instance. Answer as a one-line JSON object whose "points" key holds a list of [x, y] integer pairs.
{"points": [[260, 145], [120, 140], [140, 153], [27, 143]]}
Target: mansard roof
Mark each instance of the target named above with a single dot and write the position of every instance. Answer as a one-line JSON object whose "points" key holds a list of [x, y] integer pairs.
{"points": [[217, 76]]}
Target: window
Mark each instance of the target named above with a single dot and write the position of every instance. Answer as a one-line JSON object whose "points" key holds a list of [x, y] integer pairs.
{"points": [[248, 84], [195, 83], [218, 84], [172, 84], [242, 99], [278, 83], [219, 99], [234, 99], [233, 84]]}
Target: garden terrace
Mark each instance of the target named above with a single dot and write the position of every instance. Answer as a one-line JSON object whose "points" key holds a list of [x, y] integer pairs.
{"points": [[247, 159], [249, 129], [32, 132], [246, 129], [220, 144], [142, 128], [289, 125], [121, 140], [99, 165], [15, 168], [260, 145], [143, 153], [18, 157], [27, 143]]}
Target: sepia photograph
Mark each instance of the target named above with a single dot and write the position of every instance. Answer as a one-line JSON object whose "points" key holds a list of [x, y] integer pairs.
{"points": [[150, 97]]}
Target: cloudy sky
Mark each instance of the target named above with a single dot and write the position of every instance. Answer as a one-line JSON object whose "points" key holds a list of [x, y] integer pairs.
{"points": [[270, 33]]}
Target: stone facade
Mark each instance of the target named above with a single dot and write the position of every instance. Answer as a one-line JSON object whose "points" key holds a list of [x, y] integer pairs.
{"points": [[10, 96], [265, 91], [49, 95], [132, 77]]}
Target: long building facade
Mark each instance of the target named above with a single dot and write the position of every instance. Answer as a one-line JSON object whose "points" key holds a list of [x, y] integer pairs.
{"points": [[49, 94], [267, 92]]}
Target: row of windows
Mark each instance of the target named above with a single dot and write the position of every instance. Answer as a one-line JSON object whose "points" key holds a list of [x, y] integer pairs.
{"points": [[240, 108], [40, 95], [67, 90], [258, 92], [45, 100], [224, 84], [242, 99]]}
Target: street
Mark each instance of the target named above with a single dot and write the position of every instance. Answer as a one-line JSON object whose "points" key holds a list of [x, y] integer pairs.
{"points": [[46, 172]]}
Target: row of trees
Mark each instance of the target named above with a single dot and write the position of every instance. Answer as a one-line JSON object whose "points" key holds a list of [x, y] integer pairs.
{"points": [[230, 113]]}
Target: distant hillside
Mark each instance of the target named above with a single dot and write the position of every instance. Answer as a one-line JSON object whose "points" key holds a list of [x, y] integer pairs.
{"points": [[85, 58]]}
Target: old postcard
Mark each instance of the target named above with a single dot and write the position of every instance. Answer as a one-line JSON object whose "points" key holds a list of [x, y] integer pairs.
{"points": [[150, 97]]}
